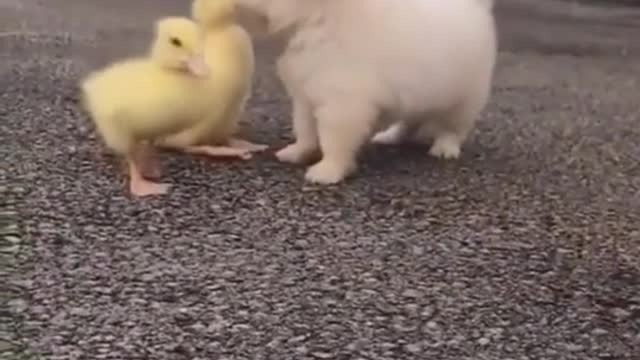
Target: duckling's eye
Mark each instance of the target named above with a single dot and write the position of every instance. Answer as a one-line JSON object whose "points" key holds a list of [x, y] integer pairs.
{"points": [[176, 42]]}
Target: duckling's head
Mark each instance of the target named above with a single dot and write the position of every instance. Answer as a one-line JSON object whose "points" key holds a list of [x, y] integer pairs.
{"points": [[178, 45], [212, 13]]}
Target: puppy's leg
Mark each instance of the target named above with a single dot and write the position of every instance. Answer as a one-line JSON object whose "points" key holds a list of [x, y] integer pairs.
{"points": [[306, 134], [343, 129], [454, 127], [394, 134]]}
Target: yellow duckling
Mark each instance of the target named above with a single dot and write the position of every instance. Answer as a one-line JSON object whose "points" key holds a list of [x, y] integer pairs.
{"points": [[228, 52], [135, 101]]}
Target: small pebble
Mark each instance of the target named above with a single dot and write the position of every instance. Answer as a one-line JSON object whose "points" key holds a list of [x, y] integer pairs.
{"points": [[321, 355], [432, 325], [414, 348]]}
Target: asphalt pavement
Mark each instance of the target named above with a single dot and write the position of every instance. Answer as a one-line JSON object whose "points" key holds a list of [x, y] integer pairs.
{"points": [[527, 247]]}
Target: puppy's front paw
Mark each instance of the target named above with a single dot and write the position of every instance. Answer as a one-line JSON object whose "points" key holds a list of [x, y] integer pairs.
{"points": [[445, 147], [328, 172], [295, 153]]}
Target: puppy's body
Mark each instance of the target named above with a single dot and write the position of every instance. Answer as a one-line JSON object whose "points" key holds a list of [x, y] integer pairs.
{"points": [[355, 67]]}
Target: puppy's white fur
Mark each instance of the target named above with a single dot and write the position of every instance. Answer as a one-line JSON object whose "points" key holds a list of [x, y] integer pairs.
{"points": [[355, 67]]}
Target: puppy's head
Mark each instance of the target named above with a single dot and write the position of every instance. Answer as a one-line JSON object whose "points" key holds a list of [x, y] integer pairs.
{"points": [[266, 17]]}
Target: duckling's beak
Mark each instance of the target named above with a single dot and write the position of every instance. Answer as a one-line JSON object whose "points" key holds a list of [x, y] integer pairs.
{"points": [[197, 66]]}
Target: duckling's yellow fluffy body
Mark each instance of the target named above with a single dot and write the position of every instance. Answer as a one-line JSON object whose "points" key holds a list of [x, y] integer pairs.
{"points": [[136, 101], [228, 52]]}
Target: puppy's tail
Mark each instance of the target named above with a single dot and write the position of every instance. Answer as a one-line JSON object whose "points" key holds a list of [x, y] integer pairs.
{"points": [[487, 4]]}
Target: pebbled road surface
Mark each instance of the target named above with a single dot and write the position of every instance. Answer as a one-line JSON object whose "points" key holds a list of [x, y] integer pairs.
{"points": [[526, 248]]}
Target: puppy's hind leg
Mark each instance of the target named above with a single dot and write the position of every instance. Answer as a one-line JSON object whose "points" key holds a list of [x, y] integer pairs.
{"points": [[343, 129], [454, 128], [305, 131]]}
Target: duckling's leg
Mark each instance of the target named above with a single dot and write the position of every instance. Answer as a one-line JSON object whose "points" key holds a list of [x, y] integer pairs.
{"points": [[186, 140], [147, 158], [218, 151], [140, 186], [238, 143]]}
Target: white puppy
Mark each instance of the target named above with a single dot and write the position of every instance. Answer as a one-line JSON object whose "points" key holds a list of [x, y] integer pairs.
{"points": [[355, 67]]}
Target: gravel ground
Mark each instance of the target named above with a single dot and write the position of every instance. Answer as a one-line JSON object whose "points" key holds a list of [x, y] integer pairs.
{"points": [[525, 248]]}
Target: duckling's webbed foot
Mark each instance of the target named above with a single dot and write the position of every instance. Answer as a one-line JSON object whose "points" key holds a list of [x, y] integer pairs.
{"points": [[219, 151], [139, 186], [142, 187], [248, 145]]}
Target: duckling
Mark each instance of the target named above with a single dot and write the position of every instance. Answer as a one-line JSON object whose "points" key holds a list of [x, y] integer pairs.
{"points": [[228, 51], [135, 101]]}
